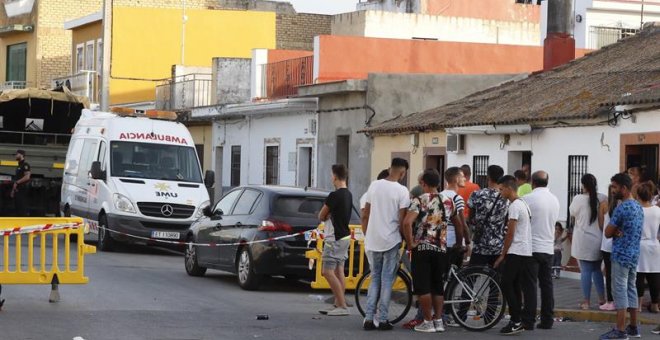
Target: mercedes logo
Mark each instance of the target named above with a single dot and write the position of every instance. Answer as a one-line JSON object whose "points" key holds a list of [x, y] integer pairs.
{"points": [[167, 210]]}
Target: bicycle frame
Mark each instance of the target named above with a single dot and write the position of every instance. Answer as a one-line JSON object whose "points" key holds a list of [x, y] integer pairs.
{"points": [[468, 290]]}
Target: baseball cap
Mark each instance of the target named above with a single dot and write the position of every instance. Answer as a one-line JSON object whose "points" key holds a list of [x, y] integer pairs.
{"points": [[22, 152]]}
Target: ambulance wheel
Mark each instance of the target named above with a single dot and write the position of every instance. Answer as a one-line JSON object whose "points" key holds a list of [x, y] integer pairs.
{"points": [[105, 241]]}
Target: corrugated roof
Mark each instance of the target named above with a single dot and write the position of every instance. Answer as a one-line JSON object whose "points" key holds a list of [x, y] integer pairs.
{"points": [[627, 72]]}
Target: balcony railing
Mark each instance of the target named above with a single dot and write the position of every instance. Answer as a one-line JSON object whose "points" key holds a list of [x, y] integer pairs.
{"points": [[602, 36], [283, 78], [83, 83], [184, 92], [13, 85]]}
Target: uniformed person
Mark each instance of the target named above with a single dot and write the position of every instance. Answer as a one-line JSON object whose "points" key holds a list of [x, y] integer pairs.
{"points": [[20, 189]]}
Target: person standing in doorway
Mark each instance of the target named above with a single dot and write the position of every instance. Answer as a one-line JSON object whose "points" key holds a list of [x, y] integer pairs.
{"points": [[544, 207], [19, 190], [524, 188], [386, 204], [488, 211], [626, 224], [468, 188], [337, 210], [518, 265]]}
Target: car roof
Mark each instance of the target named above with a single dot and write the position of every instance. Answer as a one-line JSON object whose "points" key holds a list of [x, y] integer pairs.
{"points": [[289, 190]]}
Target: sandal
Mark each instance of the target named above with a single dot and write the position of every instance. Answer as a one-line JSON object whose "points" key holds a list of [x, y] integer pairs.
{"points": [[584, 306]]}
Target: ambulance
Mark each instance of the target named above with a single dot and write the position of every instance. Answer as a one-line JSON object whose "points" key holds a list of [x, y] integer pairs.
{"points": [[133, 176]]}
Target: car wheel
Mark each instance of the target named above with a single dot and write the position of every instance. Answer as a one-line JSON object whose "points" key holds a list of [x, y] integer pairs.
{"points": [[105, 241], [192, 266], [247, 278]]}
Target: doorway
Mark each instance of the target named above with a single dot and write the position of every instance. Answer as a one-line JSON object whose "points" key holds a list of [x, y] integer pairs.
{"points": [[436, 162], [645, 157], [305, 166], [520, 160]]}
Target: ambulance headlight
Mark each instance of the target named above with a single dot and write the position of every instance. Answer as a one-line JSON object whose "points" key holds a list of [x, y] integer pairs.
{"points": [[200, 211], [122, 203]]}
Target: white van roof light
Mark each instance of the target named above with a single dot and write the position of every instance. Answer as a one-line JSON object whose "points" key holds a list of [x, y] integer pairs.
{"points": [[154, 114]]}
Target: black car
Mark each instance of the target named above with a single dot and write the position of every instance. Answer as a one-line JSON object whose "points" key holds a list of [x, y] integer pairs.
{"points": [[252, 213]]}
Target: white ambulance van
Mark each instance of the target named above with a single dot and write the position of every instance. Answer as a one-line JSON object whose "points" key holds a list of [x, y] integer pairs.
{"points": [[136, 173]]}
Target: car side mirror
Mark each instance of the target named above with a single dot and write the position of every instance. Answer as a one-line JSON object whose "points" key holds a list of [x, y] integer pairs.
{"points": [[207, 211], [209, 178], [96, 171]]}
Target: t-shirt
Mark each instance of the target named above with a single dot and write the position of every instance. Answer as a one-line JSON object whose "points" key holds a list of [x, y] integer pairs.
{"points": [[340, 203], [459, 207], [606, 243], [465, 192], [649, 247], [522, 238], [587, 236], [524, 189], [489, 224], [22, 168], [435, 211], [629, 218], [544, 207], [386, 199]]}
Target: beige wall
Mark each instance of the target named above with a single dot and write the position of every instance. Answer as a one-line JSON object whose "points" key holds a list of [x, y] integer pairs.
{"points": [[203, 135], [385, 145]]}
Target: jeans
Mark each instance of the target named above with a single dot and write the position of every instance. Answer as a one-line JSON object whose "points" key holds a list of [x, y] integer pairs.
{"points": [[384, 265], [518, 284], [544, 263], [608, 274], [556, 263], [624, 287], [590, 271]]}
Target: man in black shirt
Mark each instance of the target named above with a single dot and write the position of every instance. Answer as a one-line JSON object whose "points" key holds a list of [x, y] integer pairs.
{"points": [[336, 213], [19, 190]]}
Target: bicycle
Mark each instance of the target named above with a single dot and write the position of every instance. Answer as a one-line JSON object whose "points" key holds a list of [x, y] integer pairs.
{"points": [[474, 294]]}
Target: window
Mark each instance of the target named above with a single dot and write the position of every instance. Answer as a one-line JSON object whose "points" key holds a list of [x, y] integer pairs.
{"points": [[272, 164], [155, 161], [80, 57], [16, 62], [480, 170], [99, 56], [577, 167], [87, 156], [235, 172], [102, 155], [246, 203], [602, 36], [89, 56], [73, 157], [227, 202]]}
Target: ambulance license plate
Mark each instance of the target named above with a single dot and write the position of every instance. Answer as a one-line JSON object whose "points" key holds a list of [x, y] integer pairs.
{"points": [[165, 234]]}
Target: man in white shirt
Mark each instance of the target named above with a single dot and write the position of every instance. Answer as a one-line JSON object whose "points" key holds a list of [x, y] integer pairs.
{"points": [[518, 265], [545, 213], [386, 204]]}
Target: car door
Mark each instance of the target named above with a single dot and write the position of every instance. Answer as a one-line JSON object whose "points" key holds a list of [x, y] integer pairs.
{"points": [[84, 179], [209, 227], [94, 197], [235, 225]]}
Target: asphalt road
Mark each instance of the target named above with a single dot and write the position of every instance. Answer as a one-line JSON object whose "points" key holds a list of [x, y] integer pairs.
{"points": [[145, 293]]}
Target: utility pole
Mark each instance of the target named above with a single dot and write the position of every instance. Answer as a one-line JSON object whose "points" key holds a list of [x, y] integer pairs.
{"points": [[641, 23], [107, 55], [184, 18]]}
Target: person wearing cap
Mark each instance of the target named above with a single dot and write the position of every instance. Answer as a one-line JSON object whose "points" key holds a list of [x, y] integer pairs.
{"points": [[19, 189]]}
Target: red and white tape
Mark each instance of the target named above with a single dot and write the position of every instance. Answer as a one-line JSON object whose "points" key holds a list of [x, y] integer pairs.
{"points": [[39, 228]]}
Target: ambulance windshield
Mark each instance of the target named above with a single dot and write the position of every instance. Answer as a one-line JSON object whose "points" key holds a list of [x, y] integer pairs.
{"points": [[155, 161]]}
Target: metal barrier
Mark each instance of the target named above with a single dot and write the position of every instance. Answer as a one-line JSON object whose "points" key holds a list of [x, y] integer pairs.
{"points": [[40, 261]]}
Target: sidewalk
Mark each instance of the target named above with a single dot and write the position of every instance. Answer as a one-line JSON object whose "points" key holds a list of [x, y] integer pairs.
{"points": [[568, 294]]}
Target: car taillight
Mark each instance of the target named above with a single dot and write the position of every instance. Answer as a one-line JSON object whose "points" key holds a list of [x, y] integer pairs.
{"points": [[273, 226]]}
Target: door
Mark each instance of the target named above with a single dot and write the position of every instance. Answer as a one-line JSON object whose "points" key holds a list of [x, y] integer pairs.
{"points": [[83, 181], [645, 157], [437, 163], [209, 227], [305, 166], [235, 224]]}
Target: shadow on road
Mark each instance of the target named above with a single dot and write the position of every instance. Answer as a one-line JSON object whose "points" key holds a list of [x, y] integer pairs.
{"points": [[271, 284]]}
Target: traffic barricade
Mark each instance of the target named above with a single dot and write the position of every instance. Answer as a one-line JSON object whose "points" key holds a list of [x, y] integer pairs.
{"points": [[40, 251]]}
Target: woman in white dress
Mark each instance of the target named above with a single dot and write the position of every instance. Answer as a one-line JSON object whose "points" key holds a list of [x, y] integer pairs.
{"points": [[648, 267], [587, 237]]}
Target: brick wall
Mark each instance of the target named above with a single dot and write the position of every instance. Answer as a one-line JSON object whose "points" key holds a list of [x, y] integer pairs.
{"points": [[297, 31]]}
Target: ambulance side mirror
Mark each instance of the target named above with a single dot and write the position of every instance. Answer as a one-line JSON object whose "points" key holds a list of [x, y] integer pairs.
{"points": [[96, 171], [209, 178]]}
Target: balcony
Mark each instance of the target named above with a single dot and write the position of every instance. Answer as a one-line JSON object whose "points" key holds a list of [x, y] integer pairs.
{"points": [[83, 83], [282, 79], [184, 92], [13, 85]]}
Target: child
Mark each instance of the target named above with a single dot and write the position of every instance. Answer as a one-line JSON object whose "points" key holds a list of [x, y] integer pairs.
{"points": [[559, 246]]}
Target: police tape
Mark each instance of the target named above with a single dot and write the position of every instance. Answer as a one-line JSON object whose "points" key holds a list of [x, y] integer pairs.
{"points": [[40, 228]]}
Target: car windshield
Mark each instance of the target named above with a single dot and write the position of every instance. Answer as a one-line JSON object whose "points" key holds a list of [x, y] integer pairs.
{"points": [[155, 161]]}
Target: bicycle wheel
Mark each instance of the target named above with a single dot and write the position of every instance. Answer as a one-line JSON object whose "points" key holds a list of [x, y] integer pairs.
{"points": [[479, 284], [400, 301]]}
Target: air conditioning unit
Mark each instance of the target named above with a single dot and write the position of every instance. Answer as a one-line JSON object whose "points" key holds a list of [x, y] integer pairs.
{"points": [[455, 143]]}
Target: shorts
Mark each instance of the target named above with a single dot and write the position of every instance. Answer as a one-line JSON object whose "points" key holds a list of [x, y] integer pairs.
{"points": [[624, 288], [429, 268], [335, 254]]}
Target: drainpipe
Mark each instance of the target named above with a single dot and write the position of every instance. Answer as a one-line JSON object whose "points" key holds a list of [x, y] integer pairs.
{"points": [[559, 45]]}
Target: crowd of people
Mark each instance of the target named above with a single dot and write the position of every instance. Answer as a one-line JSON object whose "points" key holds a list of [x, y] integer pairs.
{"points": [[511, 225]]}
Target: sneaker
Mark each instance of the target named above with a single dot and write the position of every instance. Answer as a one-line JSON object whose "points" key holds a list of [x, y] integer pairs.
{"points": [[544, 325], [326, 310], [412, 323], [512, 328], [426, 327], [608, 306], [614, 334], [654, 331], [339, 311], [633, 331], [439, 327], [385, 326], [368, 325], [449, 321]]}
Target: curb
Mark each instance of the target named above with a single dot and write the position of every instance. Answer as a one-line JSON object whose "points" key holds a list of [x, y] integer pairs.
{"points": [[600, 316]]}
